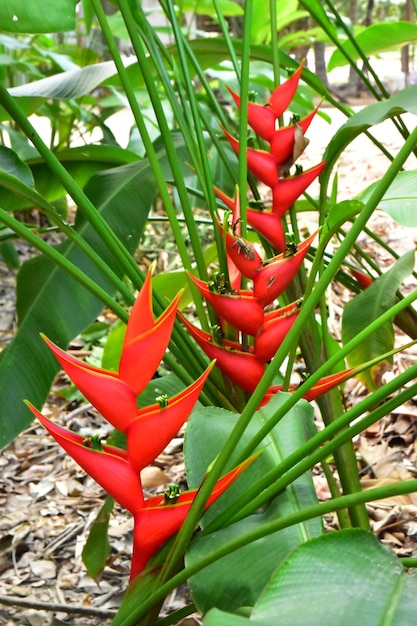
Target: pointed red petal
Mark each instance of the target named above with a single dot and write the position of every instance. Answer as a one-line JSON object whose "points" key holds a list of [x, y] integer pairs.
{"points": [[275, 276], [282, 140], [283, 94], [260, 117], [243, 254], [108, 467], [110, 395], [261, 163], [327, 383], [364, 280], [243, 368], [141, 316], [286, 190], [156, 522], [273, 333], [241, 310], [154, 427], [141, 356], [269, 226]]}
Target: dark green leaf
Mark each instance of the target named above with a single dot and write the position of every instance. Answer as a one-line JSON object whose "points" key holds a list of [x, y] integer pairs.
{"points": [[48, 16], [238, 579], [10, 162], [364, 309], [97, 548], [374, 40]]}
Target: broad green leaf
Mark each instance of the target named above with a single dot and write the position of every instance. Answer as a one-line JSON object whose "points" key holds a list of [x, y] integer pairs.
{"points": [[47, 16], [365, 308], [97, 547], [71, 84], [402, 102], [50, 301], [374, 40], [80, 162], [238, 579], [400, 200], [345, 577], [10, 162], [286, 12]]}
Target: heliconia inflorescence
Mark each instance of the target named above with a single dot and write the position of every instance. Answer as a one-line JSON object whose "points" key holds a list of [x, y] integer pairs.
{"points": [[148, 430], [248, 334]]}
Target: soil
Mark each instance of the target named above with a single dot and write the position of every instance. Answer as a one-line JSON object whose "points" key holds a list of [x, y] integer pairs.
{"points": [[48, 503]]}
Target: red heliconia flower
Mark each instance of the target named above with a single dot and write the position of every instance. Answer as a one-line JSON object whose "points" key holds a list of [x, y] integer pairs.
{"points": [[319, 389], [277, 273], [283, 140], [262, 118], [261, 163], [285, 191], [269, 225], [160, 519], [154, 426], [243, 254], [273, 332], [239, 309], [114, 394], [109, 467], [364, 280], [234, 360]]}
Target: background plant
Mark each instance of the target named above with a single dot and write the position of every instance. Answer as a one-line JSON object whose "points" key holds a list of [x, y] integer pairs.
{"points": [[114, 189]]}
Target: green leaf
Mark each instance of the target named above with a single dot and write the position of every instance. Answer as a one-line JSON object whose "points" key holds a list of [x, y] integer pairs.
{"points": [[205, 7], [400, 200], [374, 40], [50, 301], [68, 85], [239, 578], [48, 16], [10, 162], [97, 547], [81, 162], [345, 577], [402, 102], [364, 308]]}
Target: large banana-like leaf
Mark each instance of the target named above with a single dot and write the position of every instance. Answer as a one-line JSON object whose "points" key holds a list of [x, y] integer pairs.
{"points": [[239, 578]]}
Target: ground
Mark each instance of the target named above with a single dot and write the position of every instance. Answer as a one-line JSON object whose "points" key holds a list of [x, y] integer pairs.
{"points": [[48, 503]]}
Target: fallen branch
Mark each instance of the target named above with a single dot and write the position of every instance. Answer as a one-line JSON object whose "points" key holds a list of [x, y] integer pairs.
{"points": [[59, 608]]}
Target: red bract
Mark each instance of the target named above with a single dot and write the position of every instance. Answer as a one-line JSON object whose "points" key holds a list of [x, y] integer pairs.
{"points": [[114, 394], [327, 383], [285, 191], [273, 332], [159, 520], [269, 225], [236, 362], [364, 280], [282, 141], [263, 119], [277, 273], [109, 467], [154, 426], [243, 254], [240, 309]]}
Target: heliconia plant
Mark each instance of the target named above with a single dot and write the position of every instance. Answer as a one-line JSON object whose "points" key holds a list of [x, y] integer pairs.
{"points": [[256, 282]]}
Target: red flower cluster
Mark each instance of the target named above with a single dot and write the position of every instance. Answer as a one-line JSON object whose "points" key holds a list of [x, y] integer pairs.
{"points": [[147, 430], [241, 359]]}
